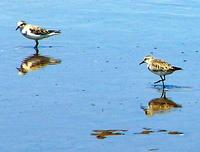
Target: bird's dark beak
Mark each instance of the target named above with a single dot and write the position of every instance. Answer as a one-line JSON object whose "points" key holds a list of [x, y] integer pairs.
{"points": [[21, 72], [141, 62], [18, 69], [17, 28]]}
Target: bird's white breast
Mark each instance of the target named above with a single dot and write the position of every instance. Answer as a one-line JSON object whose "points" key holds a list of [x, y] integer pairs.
{"points": [[23, 31]]}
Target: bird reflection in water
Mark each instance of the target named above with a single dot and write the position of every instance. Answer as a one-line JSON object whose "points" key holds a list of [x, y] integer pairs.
{"points": [[36, 62], [160, 105], [102, 134]]}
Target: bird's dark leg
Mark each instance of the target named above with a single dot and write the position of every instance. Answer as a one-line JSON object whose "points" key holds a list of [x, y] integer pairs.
{"points": [[163, 79], [159, 80], [36, 51], [163, 95], [36, 45]]}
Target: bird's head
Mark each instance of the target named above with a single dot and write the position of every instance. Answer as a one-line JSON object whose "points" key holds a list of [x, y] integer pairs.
{"points": [[21, 71], [20, 24], [147, 59]]}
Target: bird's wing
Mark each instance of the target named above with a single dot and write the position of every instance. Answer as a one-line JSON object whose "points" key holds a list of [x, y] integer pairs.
{"points": [[37, 30], [160, 65]]}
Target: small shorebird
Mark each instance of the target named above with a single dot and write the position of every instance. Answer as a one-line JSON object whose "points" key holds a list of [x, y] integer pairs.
{"points": [[35, 32], [159, 67]]}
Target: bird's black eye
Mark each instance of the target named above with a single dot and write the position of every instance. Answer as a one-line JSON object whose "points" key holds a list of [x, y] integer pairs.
{"points": [[22, 24]]}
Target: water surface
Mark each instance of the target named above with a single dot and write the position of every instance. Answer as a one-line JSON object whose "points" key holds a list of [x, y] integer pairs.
{"points": [[99, 84]]}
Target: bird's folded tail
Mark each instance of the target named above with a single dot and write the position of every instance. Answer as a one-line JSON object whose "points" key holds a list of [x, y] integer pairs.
{"points": [[54, 61], [177, 68], [54, 32]]}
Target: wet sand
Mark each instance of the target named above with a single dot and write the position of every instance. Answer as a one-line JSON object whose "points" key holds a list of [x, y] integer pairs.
{"points": [[99, 87]]}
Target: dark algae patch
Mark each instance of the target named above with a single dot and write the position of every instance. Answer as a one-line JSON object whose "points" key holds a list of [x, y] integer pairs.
{"points": [[148, 131], [102, 134]]}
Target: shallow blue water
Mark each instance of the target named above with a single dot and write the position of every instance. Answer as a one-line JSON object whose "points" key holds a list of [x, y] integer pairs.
{"points": [[99, 83]]}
